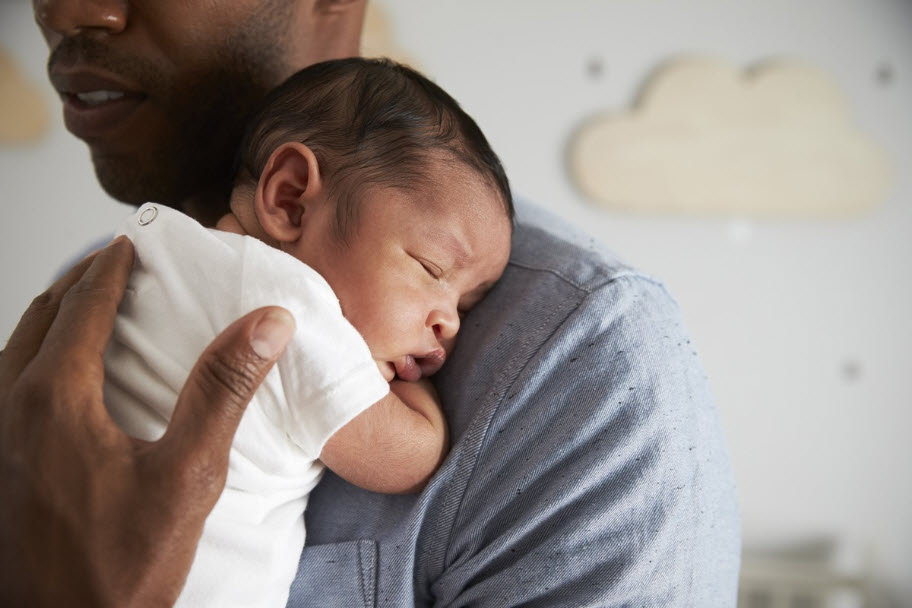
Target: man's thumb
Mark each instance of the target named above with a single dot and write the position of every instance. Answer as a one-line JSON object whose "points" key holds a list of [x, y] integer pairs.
{"points": [[221, 385]]}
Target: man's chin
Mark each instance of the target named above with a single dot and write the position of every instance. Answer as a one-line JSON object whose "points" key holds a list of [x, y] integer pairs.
{"points": [[130, 184], [206, 200]]}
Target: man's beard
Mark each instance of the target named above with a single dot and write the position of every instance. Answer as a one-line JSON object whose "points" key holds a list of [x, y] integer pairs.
{"points": [[195, 157], [191, 157]]}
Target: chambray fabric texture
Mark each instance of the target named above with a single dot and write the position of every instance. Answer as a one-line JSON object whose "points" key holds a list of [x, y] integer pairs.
{"points": [[588, 466]]}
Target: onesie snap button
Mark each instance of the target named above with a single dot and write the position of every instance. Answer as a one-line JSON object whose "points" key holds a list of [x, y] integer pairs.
{"points": [[148, 214]]}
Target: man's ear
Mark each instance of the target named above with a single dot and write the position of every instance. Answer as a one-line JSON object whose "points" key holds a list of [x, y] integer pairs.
{"points": [[289, 185]]}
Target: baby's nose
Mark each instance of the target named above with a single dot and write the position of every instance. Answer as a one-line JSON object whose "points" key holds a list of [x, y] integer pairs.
{"points": [[445, 324]]}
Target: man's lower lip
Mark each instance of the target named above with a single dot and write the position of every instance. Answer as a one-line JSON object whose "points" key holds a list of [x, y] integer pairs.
{"points": [[86, 121]]}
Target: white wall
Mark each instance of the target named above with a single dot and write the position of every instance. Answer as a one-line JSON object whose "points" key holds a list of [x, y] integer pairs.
{"points": [[52, 205], [802, 325]]}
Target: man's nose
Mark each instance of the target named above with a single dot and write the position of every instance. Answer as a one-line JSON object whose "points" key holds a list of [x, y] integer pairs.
{"points": [[71, 17]]}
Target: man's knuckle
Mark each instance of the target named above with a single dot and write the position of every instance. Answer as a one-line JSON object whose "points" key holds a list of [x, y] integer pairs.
{"points": [[91, 290], [10, 350], [60, 390], [235, 375], [74, 374], [42, 304], [34, 388], [202, 478], [30, 389], [43, 301]]}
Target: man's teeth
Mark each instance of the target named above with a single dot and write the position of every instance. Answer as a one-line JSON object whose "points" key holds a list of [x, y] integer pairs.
{"points": [[94, 98]]}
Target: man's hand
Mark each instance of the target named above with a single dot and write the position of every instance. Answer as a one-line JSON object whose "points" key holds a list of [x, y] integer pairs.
{"points": [[89, 516]]}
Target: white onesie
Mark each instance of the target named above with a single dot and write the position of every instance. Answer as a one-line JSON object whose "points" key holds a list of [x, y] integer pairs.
{"points": [[188, 284]]}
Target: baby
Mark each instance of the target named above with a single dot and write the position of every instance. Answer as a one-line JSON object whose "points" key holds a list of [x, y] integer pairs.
{"points": [[371, 206]]}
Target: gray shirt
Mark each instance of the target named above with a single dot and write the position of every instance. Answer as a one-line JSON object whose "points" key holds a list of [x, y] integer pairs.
{"points": [[587, 468]]}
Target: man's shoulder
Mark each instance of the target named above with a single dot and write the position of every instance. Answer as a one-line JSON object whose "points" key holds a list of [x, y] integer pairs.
{"points": [[575, 396], [563, 299], [542, 242], [582, 427], [563, 282]]}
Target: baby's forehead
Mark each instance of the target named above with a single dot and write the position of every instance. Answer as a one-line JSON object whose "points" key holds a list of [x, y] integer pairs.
{"points": [[464, 197], [446, 168], [447, 204], [452, 174]]}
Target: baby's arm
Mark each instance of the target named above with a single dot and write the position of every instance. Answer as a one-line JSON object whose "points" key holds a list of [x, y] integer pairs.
{"points": [[395, 445]]}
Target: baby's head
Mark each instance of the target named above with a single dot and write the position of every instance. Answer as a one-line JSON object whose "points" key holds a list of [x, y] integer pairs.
{"points": [[376, 178]]}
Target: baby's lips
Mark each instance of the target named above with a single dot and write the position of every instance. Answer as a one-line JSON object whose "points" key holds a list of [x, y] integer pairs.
{"points": [[411, 368], [431, 363]]}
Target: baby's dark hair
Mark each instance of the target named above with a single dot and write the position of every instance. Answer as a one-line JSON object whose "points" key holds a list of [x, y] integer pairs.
{"points": [[369, 122]]}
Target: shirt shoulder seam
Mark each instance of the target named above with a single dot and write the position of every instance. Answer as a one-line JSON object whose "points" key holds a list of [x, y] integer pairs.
{"points": [[589, 287], [587, 293]]}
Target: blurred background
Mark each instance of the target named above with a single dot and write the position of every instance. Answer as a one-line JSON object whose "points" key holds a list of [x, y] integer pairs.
{"points": [[799, 311]]}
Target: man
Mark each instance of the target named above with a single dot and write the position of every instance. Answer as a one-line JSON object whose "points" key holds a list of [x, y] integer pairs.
{"points": [[587, 465]]}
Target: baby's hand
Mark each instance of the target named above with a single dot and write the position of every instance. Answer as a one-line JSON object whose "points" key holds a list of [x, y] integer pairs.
{"points": [[387, 369]]}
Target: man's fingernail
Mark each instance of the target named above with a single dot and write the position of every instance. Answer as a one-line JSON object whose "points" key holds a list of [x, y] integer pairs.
{"points": [[272, 333]]}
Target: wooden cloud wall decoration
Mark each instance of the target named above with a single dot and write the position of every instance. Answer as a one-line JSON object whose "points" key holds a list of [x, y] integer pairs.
{"points": [[378, 38], [23, 111], [776, 140]]}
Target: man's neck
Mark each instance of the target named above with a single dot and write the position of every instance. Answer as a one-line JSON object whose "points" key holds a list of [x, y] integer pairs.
{"points": [[206, 208]]}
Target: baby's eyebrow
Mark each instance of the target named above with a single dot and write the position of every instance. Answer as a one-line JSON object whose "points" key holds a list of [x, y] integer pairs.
{"points": [[485, 287], [478, 294], [452, 244]]}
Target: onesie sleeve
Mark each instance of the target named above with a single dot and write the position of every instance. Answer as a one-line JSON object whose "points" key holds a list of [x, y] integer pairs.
{"points": [[326, 376]]}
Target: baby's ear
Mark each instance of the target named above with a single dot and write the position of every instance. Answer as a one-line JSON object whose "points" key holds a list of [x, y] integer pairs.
{"points": [[288, 185]]}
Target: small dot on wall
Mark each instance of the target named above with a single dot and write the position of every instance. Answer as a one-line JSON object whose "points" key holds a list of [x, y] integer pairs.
{"points": [[885, 74], [851, 370], [595, 68]]}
